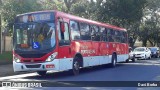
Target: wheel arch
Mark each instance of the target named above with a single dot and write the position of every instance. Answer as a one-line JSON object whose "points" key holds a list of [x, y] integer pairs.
{"points": [[79, 55], [114, 53]]}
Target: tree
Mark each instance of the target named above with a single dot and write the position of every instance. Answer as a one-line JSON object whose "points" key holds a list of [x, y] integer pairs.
{"points": [[127, 14], [0, 26], [53, 5], [151, 22], [69, 3], [11, 8], [123, 13]]}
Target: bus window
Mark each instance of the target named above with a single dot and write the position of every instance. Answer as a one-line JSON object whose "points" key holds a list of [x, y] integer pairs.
{"points": [[64, 36], [75, 33], [103, 34], [124, 37], [85, 32], [111, 35], [117, 36], [95, 34], [121, 36]]}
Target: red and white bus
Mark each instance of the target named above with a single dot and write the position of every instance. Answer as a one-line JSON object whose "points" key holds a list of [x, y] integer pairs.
{"points": [[55, 41]]}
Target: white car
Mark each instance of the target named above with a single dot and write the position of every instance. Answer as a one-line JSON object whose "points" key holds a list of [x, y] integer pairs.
{"points": [[142, 53]]}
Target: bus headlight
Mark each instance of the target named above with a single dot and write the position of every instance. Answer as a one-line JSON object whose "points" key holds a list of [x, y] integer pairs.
{"points": [[51, 57], [16, 59]]}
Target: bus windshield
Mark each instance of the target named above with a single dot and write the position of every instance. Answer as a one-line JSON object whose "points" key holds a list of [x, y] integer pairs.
{"points": [[33, 36]]}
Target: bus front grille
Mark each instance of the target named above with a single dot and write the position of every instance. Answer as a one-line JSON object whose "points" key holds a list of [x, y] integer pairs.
{"points": [[34, 66], [33, 61]]}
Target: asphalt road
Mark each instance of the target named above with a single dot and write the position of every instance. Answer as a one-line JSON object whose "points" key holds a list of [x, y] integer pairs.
{"points": [[141, 70]]}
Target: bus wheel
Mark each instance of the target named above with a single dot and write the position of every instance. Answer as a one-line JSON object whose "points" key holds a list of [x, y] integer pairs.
{"points": [[42, 73], [114, 61], [76, 66], [149, 57]]}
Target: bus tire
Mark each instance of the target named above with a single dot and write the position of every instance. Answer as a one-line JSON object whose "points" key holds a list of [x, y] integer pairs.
{"points": [[114, 61], [42, 73], [76, 66]]}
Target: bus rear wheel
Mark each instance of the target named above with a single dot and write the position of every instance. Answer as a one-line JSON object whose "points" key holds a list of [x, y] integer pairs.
{"points": [[114, 61], [76, 66], [42, 73]]}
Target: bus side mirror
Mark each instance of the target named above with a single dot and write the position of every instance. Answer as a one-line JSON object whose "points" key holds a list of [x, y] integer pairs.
{"points": [[62, 27]]}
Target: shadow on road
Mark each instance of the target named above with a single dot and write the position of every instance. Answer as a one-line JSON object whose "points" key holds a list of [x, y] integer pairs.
{"points": [[64, 74]]}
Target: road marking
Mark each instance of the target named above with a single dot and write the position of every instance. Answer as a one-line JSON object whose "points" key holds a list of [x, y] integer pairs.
{"points": [[17, 77], [156, 64]]}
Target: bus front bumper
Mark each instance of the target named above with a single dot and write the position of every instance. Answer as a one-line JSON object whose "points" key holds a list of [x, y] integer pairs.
{"points": [[45, 66]]}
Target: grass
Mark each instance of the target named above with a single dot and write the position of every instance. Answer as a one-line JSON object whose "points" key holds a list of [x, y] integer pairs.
{"points": [[6, 56]]}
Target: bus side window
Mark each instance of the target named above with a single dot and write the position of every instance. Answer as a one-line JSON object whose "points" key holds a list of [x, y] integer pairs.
{"points": [[121, 35], [64, 34], [106, 34], [85, 31], [124, 37], [95, 34], [111, 35], [117, 36], [103, 34], [75, 33]]}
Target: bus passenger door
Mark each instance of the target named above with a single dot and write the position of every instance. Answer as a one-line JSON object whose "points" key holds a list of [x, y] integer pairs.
{"points": [[64, 50]]}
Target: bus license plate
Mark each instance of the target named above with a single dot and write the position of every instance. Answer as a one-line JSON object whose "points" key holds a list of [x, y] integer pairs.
{"points": [[50, 66]]}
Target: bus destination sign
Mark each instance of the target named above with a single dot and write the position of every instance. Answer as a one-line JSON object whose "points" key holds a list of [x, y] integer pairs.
{"points": [[35, 17]]}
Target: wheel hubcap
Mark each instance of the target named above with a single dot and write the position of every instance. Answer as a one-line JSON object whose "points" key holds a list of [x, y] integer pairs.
{"points": [[114, 62], [76, 65]]}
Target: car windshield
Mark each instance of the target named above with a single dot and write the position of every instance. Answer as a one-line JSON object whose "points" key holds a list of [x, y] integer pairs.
{"points": [[139, 49], [34, 36], [153, 49]]}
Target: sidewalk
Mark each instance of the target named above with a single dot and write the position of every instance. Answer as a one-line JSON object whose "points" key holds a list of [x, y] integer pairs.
{"points": [[5, 62], [7, 70]]}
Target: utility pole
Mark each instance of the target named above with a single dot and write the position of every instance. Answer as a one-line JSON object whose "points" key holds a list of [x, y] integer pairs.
{"points": [[0, 35], [0, 28]]}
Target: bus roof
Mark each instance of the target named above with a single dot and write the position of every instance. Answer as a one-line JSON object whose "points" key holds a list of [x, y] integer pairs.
{"points": [[72, 17]]}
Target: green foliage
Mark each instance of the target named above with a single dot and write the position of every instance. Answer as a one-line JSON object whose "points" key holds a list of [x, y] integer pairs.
{"points": [[123, 13], [69, 3], [53, 5], [82, 9], [7, 56], [130, 14], [151, 23], [10, 8]]}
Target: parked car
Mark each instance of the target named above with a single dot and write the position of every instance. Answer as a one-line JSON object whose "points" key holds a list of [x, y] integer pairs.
{"points": [[131, 55], [142, 53], [154, 52]]}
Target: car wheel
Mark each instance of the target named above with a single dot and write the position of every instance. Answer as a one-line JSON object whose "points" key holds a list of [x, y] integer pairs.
{"points": [[42, 73], [127, 60], [149, 57], [145, 58], [133, 59], [76, 66], [156, 55]]}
